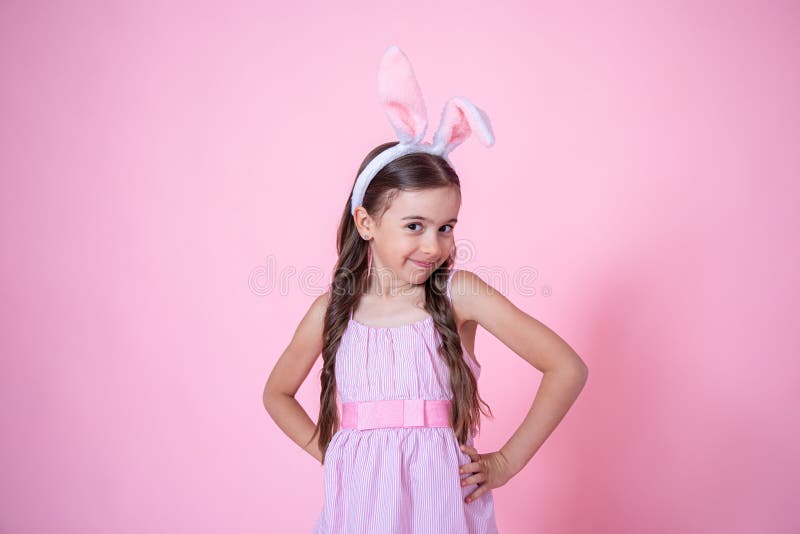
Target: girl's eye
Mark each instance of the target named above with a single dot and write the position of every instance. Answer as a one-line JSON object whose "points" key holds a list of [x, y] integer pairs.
{"points": [[417, 224]]}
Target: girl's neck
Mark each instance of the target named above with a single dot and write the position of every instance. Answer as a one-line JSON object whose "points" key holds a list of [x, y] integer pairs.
{"points": [[391, 293], [390, 288]]}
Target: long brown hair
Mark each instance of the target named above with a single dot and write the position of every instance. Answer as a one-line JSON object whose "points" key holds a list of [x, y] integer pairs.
{"points": [[412, 172]]}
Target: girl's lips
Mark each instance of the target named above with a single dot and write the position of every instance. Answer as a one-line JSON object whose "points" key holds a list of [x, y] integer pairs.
{"points": [[423, 264]]}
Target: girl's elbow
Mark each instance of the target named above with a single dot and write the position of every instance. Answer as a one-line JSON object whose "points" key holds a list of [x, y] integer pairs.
{"points": [[582, 371]]}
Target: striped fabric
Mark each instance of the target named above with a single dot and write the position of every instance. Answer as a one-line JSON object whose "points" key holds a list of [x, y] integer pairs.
{"points": [[398, 480]]}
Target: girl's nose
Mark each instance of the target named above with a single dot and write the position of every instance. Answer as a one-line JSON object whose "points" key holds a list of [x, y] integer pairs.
{"points": [[431, 247]]}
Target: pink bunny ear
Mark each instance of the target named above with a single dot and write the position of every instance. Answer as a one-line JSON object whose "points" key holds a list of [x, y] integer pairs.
{"points": [[459, 118], [401, 96]]}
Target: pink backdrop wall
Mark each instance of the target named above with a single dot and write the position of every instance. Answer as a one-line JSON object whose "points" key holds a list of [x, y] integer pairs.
{"points": [[165, 227]]}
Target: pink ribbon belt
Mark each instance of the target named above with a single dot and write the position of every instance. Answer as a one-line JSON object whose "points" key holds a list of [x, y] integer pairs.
{"points": [[390, 413]]}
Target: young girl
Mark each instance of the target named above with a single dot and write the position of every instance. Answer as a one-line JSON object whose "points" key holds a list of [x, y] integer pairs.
{"points": [[396, 331]]}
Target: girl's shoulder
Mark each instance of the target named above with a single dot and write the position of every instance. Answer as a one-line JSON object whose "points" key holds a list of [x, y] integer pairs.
{"points": [[323, 300], [320, 305], [469, 293], [461, 281]]}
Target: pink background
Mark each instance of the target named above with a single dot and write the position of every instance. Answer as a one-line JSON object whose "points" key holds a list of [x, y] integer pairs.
{"points": [[172, 176]]}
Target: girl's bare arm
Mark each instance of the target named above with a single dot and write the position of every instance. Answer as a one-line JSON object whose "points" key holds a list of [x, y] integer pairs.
{"points": [[290, 372], [565, 373]]}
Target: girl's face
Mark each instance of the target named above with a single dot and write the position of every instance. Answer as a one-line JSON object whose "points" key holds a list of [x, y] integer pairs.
{"points": [[415, 235]]}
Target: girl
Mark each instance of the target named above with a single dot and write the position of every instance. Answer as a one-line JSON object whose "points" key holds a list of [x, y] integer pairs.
{"points": [[396, 331]]}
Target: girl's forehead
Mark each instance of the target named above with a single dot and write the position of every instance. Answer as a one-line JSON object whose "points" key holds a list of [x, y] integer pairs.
{"points": [[438, 204]]}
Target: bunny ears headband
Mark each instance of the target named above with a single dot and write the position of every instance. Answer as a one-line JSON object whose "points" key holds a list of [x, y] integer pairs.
{"points": [[401, 98]]}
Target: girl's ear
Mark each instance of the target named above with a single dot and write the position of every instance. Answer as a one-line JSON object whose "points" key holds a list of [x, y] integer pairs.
{"points": [[459, 118], [401, 97]]}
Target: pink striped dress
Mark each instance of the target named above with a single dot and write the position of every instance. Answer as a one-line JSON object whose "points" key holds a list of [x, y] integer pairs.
{"points": [[399, 480]]}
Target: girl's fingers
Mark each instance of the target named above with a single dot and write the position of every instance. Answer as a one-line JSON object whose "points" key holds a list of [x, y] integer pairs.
{"points": [[472, 451], [477, 478], [473, 466], [475, 494]]}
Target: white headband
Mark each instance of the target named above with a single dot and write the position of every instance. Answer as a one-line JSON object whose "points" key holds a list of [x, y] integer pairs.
{"points": [[401, 98]]}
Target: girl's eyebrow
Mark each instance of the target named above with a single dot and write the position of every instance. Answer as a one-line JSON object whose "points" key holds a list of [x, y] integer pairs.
{"points": [[424, 218]]}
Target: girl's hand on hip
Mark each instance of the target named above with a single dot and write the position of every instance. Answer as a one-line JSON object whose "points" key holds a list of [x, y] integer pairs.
{"points": [[489, 470]]}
